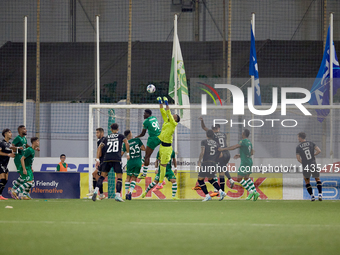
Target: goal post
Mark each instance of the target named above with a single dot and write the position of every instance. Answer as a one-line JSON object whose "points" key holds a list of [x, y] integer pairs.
{"points": [[95, 109]]}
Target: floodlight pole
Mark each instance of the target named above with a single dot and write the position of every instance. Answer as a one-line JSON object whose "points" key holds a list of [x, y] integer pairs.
{"points": [[253, 83], [25, 72], [98, 68], [331, 57]]}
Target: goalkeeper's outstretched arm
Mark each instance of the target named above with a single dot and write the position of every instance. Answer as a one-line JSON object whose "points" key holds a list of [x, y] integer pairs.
{"points": [[163, 113]]}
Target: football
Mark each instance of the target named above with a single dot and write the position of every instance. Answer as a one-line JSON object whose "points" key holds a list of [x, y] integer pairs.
{"points": [[151, 88]]}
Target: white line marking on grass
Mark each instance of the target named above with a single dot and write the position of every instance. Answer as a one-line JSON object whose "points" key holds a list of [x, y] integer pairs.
{"points": [[170, 224]]}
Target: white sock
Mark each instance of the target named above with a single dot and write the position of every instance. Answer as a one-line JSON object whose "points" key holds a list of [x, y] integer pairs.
{"points": [[127, 186], [117, 195], [207, 195], [96, 190]]}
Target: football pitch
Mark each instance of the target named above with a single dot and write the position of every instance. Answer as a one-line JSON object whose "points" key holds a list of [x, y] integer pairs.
{"points": [[169, 227]]}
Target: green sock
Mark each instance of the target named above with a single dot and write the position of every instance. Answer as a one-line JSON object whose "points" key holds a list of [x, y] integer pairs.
{"points": [[251, 187], [18, 182], [151, 185], [23, 187], [145, 170], [245, 184], [132, 186], [127, 186], [174, 189]]}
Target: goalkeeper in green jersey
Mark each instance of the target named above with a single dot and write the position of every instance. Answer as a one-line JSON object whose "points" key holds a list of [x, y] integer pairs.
{"points": [[168, 128], [25, 169], [244, 171], [134, 164], [171, 175]]}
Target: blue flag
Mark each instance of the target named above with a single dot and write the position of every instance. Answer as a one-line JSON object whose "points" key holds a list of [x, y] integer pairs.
{"points": [[253, 69], [321, 90]]}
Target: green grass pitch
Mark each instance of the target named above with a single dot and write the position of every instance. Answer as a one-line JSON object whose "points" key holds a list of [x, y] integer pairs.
{"points": [[169, 227]]}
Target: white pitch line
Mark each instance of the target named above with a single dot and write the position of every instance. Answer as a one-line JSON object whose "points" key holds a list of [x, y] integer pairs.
{"points": [[170, 224]]}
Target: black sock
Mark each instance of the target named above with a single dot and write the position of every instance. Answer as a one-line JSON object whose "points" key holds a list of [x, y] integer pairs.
{"points": [[2, 185], [222, 183], [203, 186], [101, 189], [94, 183], [319, 185], [100, 181], [119, 185], [309, 189], [215, 184], [228, 175]]}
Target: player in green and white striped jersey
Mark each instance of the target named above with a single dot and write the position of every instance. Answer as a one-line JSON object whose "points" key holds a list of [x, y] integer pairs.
{"points": [[134, 164]]}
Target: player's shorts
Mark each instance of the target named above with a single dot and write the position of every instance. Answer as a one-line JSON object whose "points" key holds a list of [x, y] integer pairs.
{"points": [[207, 170], [225, 158], [311, 170], [117, 167], [27, 177], [244, 169], [133, 168], [3, 169], [17, 163], [168, 174], [165, 154], [153, 142]]}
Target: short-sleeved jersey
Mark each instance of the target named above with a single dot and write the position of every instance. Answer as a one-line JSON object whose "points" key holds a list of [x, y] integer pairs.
{"points": [[5, 148], [221, 138], [29, 157], [211, 152], [245, 151], [135, 148], [101, 159], [151, 124], [20, 142], [173, 155], [306, 152], [113, 144]]}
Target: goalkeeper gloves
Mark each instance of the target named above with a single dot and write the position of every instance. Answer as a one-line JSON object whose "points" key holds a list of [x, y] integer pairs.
{"points": [[165, 101], [159, 99]]}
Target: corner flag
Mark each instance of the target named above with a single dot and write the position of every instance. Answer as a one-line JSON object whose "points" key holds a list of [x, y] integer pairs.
{"points": [[253, 68], [320, 91]]}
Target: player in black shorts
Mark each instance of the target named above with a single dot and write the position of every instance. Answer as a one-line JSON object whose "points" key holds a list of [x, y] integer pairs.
{"points": [[209, 155], [5, 153], [221, 138], [305, 154], [96, 174], [113, 145]]}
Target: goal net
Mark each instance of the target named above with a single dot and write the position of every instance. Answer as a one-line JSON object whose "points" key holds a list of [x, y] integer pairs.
{"points": [[277, 174]]}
